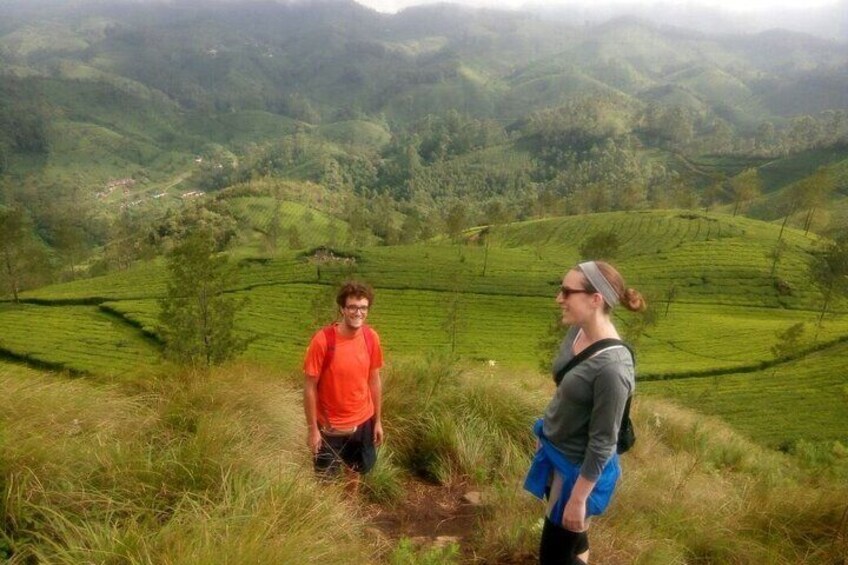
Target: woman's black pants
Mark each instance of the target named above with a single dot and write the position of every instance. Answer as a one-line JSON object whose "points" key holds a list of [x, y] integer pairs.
{"points": [[560, 546]]}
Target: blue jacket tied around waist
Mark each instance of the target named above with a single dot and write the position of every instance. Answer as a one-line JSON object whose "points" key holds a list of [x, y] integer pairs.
{"points": [[549, 459]]}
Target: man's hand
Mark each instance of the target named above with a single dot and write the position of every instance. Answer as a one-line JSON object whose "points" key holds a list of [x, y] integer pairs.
{"points": [[313, 440], [378, 433]]}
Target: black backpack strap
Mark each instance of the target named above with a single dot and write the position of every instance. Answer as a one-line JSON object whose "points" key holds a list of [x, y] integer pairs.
{"points": [[589, 352]]}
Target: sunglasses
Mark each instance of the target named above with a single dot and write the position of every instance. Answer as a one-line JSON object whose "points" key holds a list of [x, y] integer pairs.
{"points": [[566, 292]]}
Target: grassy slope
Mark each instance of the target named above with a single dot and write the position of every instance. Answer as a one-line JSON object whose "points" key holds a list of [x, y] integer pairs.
{"points": [[188, 468], [170, 470]]}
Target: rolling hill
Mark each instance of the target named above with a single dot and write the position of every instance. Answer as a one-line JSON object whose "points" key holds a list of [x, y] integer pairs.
{"points": [[159, 79], [718, 308]]}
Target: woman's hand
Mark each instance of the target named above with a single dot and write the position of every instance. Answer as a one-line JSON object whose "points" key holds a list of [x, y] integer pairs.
{"points": [[574, 516]]}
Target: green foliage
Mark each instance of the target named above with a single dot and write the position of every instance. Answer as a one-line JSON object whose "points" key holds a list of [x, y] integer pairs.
{"points": [[745, 187], [406, 553], [549, 342], [603, 245], [197, 318], [450, 425], [211, 218], [23, 119], [23, 261], [829, 270], [717, 265], [789, 341], [298, 226], [579, 125]]}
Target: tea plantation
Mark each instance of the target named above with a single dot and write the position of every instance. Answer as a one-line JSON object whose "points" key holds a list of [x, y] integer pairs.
{"points": [[718, 309]]}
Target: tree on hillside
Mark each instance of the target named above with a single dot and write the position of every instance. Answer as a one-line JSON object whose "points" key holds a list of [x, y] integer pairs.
{"points": [[720, 139], [600, 245], [211, 217], [744, 187], [23, 260], [776, 254], [274, 225], [383, 218], [456, 220], [789, 341], [812, 193], [357, 215], [69, 239], [715, 193], [129, 240], [829, 271], [454, 308], [197, 316], [332, 177], [672, 126]]}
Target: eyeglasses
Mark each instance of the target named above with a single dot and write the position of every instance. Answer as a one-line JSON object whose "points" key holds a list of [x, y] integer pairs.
{"points": [[353, 309], [566, 292]]}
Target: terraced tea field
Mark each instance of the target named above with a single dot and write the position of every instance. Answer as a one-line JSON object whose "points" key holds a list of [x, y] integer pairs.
{"points": [[693, 339], [723, 321], [314, 228], [804, 399], [77, 338]]}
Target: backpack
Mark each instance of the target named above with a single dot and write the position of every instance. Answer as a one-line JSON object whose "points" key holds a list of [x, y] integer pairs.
{"points": [[626, 432], [330, 335]]}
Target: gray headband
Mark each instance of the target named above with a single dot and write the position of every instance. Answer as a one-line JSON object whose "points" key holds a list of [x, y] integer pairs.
{"points": [[599, 282]]}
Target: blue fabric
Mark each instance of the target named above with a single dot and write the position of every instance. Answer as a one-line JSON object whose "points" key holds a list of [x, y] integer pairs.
{"points": [[549, 459]]}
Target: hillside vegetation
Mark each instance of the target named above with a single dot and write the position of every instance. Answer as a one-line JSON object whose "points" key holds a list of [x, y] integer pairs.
{"points": [[189, 468], [458, 160], [720, 305], [96, 93]]}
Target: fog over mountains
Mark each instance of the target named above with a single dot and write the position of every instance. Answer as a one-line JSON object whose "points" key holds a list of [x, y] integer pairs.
{"points": [[96, 88], [828, 20]]}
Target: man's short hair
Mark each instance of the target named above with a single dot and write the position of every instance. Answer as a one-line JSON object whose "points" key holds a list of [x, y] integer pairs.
{"points": [[356, 290]]}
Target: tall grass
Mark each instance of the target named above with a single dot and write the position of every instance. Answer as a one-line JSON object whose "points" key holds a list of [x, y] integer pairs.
{"points": [[171, 470], [694, 490], [189, 468], [450, 424]]}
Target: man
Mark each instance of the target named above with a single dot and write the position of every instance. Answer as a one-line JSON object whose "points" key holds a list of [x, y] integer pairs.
{"points": [[342, 392]]}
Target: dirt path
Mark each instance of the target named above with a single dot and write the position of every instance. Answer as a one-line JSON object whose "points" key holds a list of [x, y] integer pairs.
{"points": [[428, 512], [435, 516]]}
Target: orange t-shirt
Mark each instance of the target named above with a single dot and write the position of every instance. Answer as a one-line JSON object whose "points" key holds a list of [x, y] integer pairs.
{"points": [[344, 397]]}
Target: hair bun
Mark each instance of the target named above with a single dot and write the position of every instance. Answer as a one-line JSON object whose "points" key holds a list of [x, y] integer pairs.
{"points": [[633, 300]]}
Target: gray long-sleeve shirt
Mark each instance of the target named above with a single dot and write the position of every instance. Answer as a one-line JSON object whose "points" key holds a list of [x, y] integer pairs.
{"points": [[583, 418]]}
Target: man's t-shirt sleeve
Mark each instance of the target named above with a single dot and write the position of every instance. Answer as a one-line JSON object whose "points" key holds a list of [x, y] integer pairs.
{"points": [[315, 353]]}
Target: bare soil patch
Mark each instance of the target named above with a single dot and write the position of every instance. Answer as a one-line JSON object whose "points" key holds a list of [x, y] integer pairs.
{"points": [[432, 515]]}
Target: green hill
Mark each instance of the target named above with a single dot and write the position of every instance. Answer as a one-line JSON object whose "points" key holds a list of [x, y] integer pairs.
{"points": [[716, 268], [324, 141], [295, 61]]}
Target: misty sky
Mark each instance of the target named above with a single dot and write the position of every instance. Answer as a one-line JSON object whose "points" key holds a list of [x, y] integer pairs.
{"points": [[728, 5]]}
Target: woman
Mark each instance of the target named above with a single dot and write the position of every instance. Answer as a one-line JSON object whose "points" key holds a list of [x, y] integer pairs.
{"points": [[576, 466]]}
